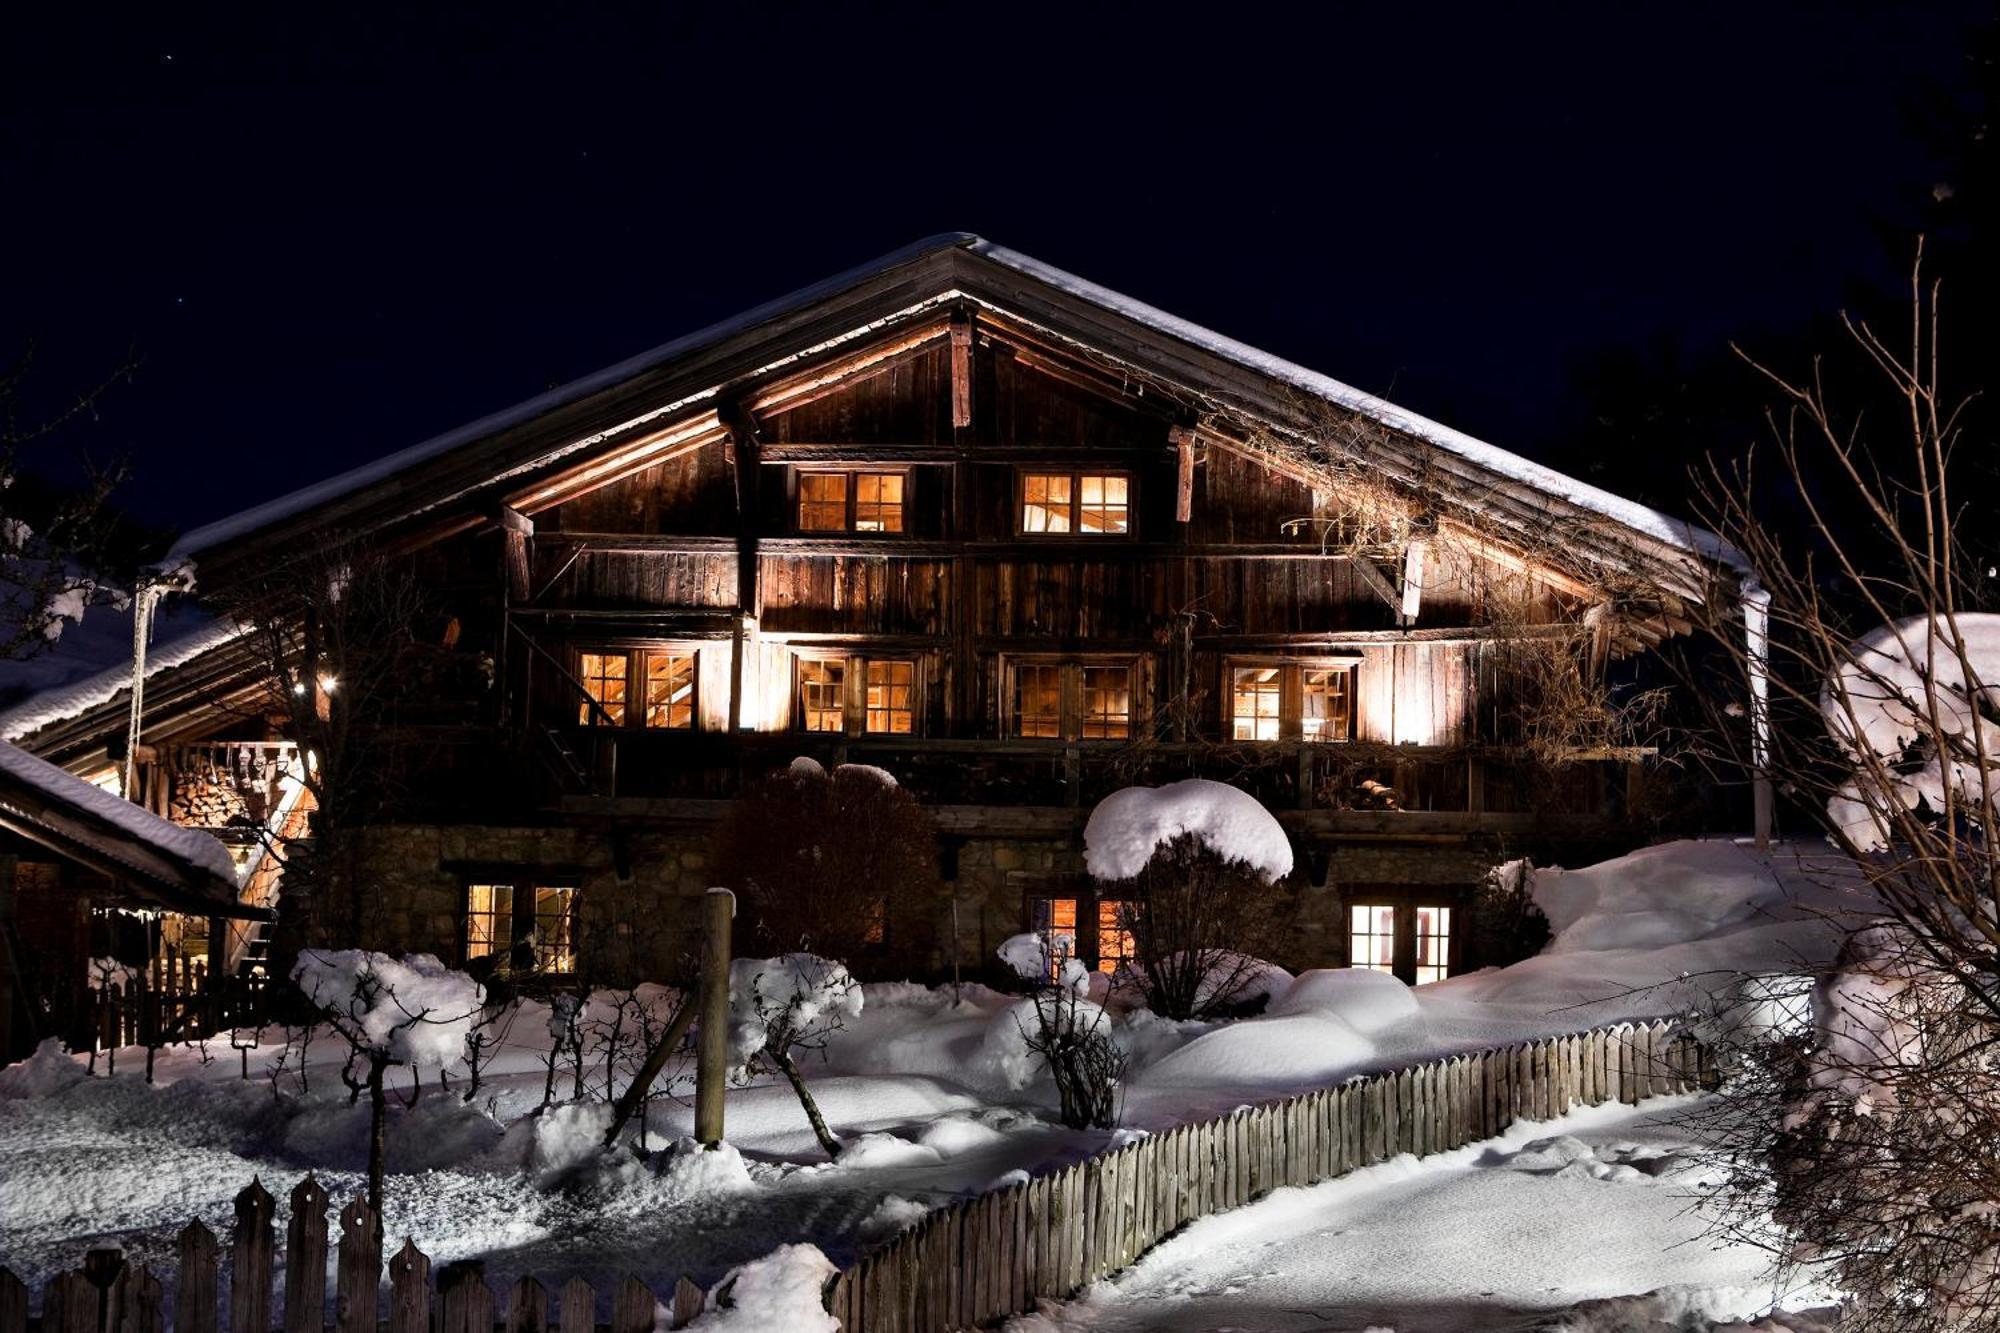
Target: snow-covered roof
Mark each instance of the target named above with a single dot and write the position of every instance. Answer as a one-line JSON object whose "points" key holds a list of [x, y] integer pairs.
{"points": [[92, 691], [1676, 534], [43, 802]]}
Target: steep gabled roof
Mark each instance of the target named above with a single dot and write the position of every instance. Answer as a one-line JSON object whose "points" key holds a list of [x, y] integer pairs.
{"points": [[469, 468]]}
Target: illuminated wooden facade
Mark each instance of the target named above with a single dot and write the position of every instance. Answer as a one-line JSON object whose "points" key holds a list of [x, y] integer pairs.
{"points": [[1018, 543]]}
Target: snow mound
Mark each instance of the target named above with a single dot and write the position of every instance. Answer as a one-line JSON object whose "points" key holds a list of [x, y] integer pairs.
{"points": [[783, 1290], [1129, 826], [691, 1171], [804, 767], [1028, 954], [1694, 1310], [1361, 998], [415, 1010], [1003, 1056], [1657, 896], [869, 771], [49, 1070]]}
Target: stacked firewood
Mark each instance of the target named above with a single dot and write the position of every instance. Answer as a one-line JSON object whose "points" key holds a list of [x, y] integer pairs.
{"points": [[207, 803]]}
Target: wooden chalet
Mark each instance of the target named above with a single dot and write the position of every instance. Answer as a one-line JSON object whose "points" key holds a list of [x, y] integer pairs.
{"points": [[1014, 538]]}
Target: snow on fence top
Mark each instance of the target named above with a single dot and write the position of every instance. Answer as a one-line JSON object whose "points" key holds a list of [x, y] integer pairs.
{"points": [[188, 846], [1128, 826]]}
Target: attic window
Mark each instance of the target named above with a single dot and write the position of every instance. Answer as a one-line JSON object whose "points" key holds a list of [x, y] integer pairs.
{"points": [[853, 501], [1088, 504]]}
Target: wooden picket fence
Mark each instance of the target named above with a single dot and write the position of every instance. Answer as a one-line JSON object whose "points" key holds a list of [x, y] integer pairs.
{"points": [[108, 1295], [170, 1003], [996, 1255], [978, 1261]]}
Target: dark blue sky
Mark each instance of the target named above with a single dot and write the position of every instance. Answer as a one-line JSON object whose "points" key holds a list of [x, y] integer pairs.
{"points": [[330, 235]]}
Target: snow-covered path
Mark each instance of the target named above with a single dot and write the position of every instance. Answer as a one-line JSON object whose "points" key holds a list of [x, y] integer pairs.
{"points": [[1496, 1236]]}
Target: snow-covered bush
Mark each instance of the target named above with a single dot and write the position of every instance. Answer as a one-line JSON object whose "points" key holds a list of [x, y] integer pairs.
{"points": [[843, 864], [783, 1290], [1058, 1028], [412, 1011], [778, 1006], [1196, 867]]}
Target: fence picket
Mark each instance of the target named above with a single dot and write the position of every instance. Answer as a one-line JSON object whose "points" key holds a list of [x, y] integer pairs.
{"points": [[358, 1279], [527, 1307], [409, 1291], [194, 1302], [631, 1309], [13, 1302], [576, 1307], [250, 1260], [305, 1259]]}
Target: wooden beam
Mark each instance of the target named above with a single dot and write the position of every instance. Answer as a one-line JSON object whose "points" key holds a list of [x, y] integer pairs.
{"points": [[742, 427], [961, 370], [1182, 438], [1413, 581], [1375, 579]]}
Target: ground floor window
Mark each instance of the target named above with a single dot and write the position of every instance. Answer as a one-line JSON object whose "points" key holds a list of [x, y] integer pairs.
{"points": [[1411, 940], [530, 926], [1095, 933]]}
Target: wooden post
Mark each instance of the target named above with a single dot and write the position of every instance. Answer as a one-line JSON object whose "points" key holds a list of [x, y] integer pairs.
{"points": [[961, 370], [1182, 438], [712, 1050]]}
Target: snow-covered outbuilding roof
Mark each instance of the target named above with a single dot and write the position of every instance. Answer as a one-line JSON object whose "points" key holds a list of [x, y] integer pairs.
{"points": [[178, 868]]}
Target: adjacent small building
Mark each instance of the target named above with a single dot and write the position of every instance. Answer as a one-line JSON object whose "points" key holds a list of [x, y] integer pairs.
{"points": [[1014, 538]]}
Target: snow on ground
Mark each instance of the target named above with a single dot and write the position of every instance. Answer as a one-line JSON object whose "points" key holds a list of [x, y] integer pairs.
{"points": [[1514, 1233], [920, 1085]]}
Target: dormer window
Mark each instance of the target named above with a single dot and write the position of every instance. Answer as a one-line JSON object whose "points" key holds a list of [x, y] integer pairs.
{"points": [[851, 501], [1086, 504]]}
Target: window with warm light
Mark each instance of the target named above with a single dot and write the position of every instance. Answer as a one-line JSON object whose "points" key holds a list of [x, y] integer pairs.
{"points": [[1068, 700], [1279, 701], [489, 919], [851, 501], [1433, 943], [1090, 504], [521, 925], [1054, 919], [1114, 936], [1038, 700], [1256, 703], [823, 693], [1371, 936], [891, 697], [670, 690], [603, 676]]}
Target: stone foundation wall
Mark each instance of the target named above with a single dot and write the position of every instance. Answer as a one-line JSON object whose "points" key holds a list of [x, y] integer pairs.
{"points": [[641, 922]]}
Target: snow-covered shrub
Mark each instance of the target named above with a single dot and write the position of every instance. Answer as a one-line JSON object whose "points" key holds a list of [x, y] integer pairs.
{"points": [[1505, 925], [1196, 867], [842, 864], [412, 1011], [1058, 1028], [778, 1006], [783, 1290]]}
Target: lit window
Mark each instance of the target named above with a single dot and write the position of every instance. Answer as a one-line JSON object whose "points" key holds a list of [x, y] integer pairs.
{"points": [[670, 690], [822, 701], [823, 502], [1107, 702], [1371, 936], [489, 920], [1257, 701], [1055, 922], [1038, 700], [1326, 704], [555, 930], [878, 502], [892, 690], [1045, 503], [1114, 936], [604, 682], [851, 501], [1102, 506], [1433, 944], [1091, 503]]}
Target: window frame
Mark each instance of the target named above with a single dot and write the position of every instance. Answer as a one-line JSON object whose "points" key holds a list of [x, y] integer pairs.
{"points": [[1291, 695], [1088, 928], [854, 692], [521, 911], [636, 709], [1073, 719], [1404, 940], [1075, 474], [852, 499]]}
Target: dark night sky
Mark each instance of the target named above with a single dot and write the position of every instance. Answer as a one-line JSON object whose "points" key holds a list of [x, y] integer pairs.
{"points": [[330, 236]]}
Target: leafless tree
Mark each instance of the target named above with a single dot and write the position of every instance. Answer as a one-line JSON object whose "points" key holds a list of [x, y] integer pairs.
{"points": [[1072, 1037], [794, 1005], [1861, 1116]]}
